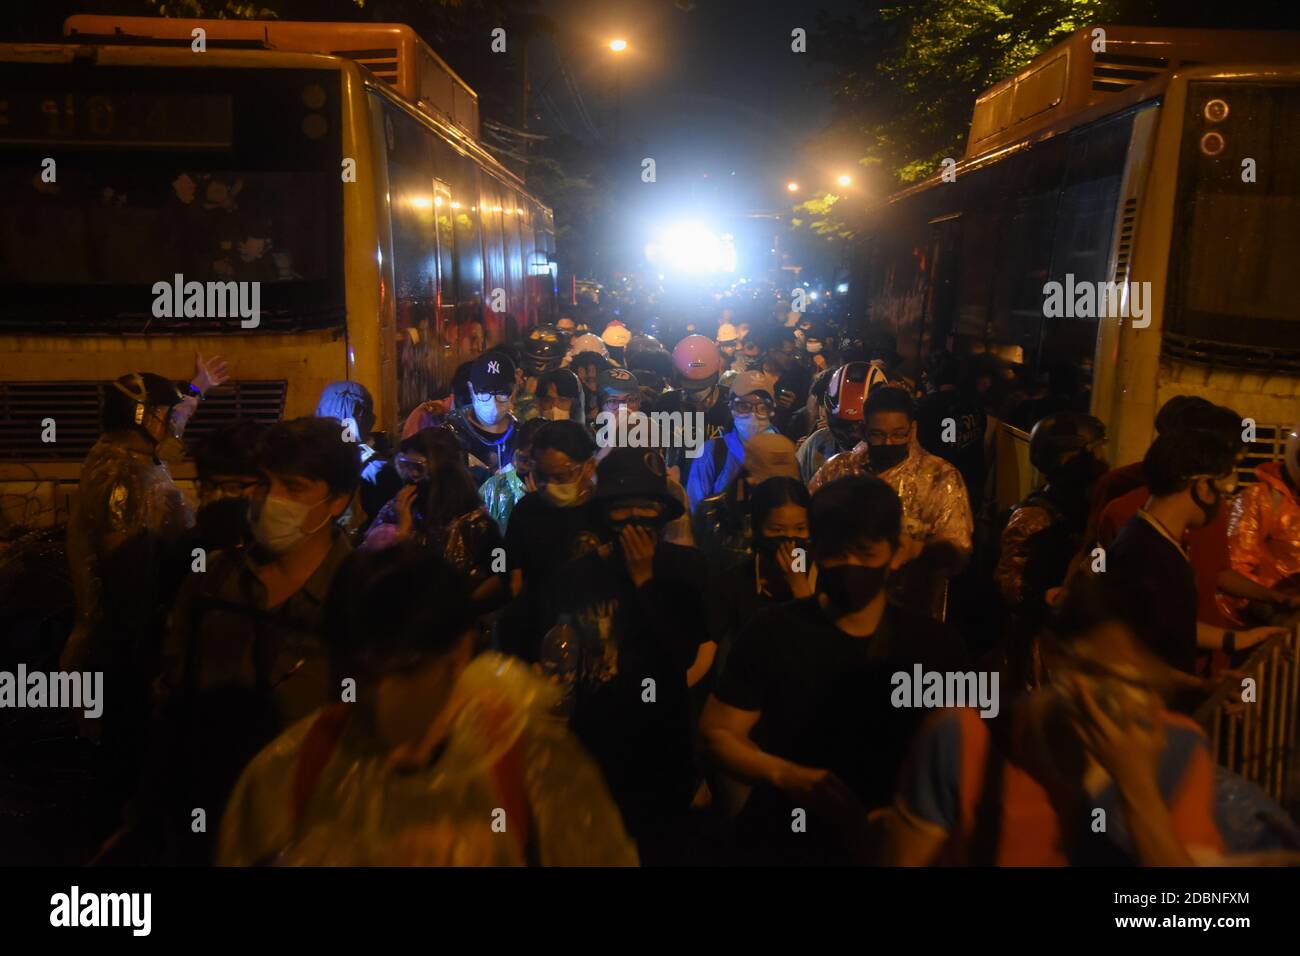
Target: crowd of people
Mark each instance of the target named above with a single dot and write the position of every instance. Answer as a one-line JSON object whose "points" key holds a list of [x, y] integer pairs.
{"points": [[502, 638]]}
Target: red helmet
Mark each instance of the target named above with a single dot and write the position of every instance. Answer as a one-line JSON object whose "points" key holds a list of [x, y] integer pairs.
{"points": [[850, 385], [696, 362]]}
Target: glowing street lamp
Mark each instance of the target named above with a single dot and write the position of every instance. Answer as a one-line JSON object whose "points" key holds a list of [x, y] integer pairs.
{"points": [[844, 179], [618, 46], [792, 186]]}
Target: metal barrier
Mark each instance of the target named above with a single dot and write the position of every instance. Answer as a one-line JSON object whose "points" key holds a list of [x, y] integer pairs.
{"points": [[1257, 739]]}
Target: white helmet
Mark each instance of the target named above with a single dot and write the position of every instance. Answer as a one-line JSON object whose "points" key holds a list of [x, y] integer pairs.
{"points": [[587, 342]]}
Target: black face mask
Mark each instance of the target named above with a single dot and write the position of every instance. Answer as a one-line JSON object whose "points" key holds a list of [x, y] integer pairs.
{"points": [[223, 523], [1081, 471], [851, 587], [1208, 508], [885, 457], [768, 547]]}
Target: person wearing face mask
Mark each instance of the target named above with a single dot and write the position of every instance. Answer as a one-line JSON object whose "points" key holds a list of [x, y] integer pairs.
{"points": [[1022, 788], [937, 520], [1220, 590], [561, 397], [1191, 475], [722, 521], [751, 407], [486, 426], [802, 711], [558, 521], [243, 658], [846, 392], [639, 605], [504, 490], [439, 509], [778, 567], [1045, 531]]}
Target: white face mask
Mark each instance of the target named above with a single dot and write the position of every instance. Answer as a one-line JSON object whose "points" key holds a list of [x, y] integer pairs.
{"points": [[562, 496], [747, 426], [277, 523], [486, 410], [556, 414], [813, 347]]}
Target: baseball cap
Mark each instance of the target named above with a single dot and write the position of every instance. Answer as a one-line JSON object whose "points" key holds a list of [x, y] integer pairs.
{"points": [[616, 381], [747, 383], [770, 455], [492, 372]]}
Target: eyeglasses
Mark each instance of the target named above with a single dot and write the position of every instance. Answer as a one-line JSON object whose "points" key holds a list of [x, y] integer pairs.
{"points": [[410, 467], [498, 397], [757, 408], [566, 477]]}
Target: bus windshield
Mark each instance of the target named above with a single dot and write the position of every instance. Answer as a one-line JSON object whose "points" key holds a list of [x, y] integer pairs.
{"points": [[115, 178], [1236, 238]]}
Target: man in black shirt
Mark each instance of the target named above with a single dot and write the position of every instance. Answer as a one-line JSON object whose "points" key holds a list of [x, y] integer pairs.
{"points": [[1190, 474], [803, 709], [638, 605]]}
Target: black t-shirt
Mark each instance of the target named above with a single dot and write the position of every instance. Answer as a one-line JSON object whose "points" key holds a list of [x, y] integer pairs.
{"points": [[966, 451], [1160, 586], [541, 536], [825, 698], [644, 748]]}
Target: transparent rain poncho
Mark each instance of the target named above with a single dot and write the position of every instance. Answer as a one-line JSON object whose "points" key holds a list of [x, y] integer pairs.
{"points": [[360, 811]]}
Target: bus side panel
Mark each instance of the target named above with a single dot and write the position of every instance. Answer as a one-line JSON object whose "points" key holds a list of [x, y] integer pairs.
{"points": [[370, 357]]}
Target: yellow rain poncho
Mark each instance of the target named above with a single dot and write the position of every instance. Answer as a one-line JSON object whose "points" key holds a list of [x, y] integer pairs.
{"points": [[510, 786]]}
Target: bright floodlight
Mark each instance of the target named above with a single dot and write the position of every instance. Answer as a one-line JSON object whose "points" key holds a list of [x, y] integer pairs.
{"points": [[691, 247], [792, 186], [618, 46], [844, 179]]}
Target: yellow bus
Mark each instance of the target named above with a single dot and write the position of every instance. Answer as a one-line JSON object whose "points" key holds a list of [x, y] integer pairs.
{"points": [[1160, 160], [334, 168]]}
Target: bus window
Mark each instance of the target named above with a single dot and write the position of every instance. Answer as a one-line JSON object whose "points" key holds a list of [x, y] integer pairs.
{"points": [[510, 227], [217, 175], [469, 249], [1084, 231], [415, 254], [494, 267], [1032, 195], [1236, 242]]}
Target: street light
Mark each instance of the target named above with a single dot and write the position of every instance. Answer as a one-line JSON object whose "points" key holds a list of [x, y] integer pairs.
{"points": [[844, 179], [618, 45], [792, 186]]}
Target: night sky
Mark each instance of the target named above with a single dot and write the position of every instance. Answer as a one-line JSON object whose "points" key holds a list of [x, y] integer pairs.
{"points": [[706, 91]]}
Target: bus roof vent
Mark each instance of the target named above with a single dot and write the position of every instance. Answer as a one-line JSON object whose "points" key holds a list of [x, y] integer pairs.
{"points": [[1096, 63], [392, 52]]}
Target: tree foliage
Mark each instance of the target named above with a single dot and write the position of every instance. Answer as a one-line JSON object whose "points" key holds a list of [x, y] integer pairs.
{"points": [[904, 74]]}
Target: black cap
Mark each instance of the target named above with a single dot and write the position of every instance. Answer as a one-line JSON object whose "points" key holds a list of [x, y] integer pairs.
{"points": [[492, 372], [636, 473]]}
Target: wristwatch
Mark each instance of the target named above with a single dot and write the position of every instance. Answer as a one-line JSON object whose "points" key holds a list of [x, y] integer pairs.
{"points": [[1230, 642]]}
